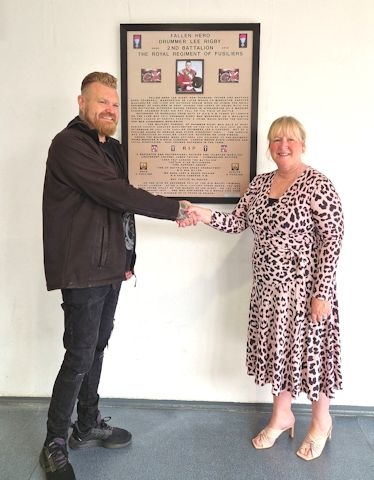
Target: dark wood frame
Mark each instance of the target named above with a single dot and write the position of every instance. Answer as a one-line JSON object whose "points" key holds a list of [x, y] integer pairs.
{"points": [[141, 29]]}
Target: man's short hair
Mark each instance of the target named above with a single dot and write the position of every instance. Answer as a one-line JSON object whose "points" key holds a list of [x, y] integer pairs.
{"points": [[101, 77]]}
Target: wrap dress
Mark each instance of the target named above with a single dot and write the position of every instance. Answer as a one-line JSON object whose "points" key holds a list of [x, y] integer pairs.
{"points": [[297, 242]]}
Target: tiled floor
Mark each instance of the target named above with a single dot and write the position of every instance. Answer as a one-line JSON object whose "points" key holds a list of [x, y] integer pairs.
{"points": [[190, 441]]}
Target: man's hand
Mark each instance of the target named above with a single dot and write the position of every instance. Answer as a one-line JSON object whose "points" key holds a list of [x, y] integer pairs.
{"points": [[182, 212]]}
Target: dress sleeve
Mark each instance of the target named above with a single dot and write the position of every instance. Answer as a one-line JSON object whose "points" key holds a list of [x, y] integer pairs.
{"points": [[237, 220], [328, 219]]}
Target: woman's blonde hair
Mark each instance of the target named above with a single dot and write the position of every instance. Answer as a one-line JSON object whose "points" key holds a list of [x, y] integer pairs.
{"points": [[288, 126]]}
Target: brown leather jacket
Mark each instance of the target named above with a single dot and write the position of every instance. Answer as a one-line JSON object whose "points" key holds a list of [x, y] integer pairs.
{"points": [[86, 198]]}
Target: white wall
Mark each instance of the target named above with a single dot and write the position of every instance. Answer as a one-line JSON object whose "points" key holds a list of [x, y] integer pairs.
{"points": [[181, 333]]}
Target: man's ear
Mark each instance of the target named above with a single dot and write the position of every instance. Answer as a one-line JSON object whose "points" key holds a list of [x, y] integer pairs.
{"points": [[80, 101]]}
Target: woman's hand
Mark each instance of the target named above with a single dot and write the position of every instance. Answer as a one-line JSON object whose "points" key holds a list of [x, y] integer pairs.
{"points": [[320, 310], [195, 214], [201, 214]]}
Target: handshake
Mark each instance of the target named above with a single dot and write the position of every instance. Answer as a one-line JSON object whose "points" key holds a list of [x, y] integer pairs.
{"points": [[190, 214]]}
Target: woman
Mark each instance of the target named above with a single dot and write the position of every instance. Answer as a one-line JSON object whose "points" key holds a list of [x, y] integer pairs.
{"points": [[293, 334]]}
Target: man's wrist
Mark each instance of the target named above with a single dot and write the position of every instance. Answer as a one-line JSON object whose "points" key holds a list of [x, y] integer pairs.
{"points": [[183, 205]]}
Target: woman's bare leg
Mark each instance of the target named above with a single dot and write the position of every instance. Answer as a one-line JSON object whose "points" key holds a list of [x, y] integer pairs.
{"points": [[319, 429], [282, 418]]}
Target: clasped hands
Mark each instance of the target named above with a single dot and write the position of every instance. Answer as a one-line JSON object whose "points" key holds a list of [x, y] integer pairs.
{"points": [[190, 214]]}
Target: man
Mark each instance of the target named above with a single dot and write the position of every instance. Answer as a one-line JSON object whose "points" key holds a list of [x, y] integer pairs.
{"points": [[188, 71], [89, 249], [186, 77]]}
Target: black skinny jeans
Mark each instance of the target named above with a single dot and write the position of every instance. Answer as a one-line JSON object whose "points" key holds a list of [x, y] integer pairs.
{"points": [[89, 318]]}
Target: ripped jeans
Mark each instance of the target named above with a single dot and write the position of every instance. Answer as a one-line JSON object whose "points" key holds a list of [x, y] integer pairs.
{"points": [[89, 319]]}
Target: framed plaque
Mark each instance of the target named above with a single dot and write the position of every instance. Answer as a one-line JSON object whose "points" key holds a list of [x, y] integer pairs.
{"points": [[189, 105]]}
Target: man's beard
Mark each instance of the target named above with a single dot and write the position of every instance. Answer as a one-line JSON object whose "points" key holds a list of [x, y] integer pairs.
{"points": [[104, 127]]}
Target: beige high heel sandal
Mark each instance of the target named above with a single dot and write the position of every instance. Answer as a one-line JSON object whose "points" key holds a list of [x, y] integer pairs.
{"points": [[313, 446], [268, 436]]}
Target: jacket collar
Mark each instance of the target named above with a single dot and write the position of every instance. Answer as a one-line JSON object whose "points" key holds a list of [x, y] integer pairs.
{"points": [[78, 124]]}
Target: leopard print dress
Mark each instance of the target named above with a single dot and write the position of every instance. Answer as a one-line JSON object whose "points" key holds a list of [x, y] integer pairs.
{"points": [[297, 241]]}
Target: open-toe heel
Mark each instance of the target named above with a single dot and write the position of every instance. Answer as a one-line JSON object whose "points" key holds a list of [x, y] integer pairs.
{"points": [[267, 437], [312, 447]]}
